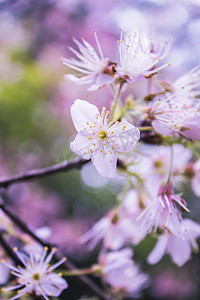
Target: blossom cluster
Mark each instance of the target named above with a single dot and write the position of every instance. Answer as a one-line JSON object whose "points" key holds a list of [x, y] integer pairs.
{"points": [[152, 139], [151, 142]]}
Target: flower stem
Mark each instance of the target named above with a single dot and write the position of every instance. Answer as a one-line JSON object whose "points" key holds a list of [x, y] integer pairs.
{"points": [[78, 272], [116, 100], [145, 128], [171, 165]]}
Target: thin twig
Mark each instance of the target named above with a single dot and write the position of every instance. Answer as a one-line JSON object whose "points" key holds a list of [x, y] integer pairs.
{"points": [[64, 166], [9, 251], [43, 172]]}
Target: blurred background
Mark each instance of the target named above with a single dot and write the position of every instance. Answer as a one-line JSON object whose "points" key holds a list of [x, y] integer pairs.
{"points": [[36, 128]]}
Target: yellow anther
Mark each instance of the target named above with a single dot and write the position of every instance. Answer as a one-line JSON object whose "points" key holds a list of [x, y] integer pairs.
{"points": [[103, 108], [93, 132], [3, 290], [106, 153], [94, 145], [55, 249], [87, 123], [111, 161], [112, 132], [90, 126], [101, 126], [85, 153], [64, 258], [108, 112], [124, 127], [169, 64], [15, 249], [18, 292], [97, 117], [110, 152], [113, 147], [46, 248], [91, 150], [95, 122], [101, 150], [60, 274], [3, 261], [117, 122], [84, 128]]}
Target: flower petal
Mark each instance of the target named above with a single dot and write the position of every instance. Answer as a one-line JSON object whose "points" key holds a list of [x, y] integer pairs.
{"points": [[106, 164], [54, 284], [83, 112], [124, 137], [159, 250], [81, 145], [179, 250], [161, 128]]}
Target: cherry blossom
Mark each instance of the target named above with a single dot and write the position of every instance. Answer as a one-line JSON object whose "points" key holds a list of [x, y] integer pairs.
{"points": [[37, 275], [139, 55], [186, 87], [99, 140], [92, 69], [179, 247], [169, 117], [162, 210], [122, 273], [119, 226]]}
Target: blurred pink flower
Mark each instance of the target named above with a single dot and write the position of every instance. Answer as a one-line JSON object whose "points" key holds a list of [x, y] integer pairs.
{"points": [[179, 246], [162, 211], [122, 273]]}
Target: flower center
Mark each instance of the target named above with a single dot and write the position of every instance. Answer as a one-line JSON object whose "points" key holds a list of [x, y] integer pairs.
{"points": [[102, 135], [36, 276]]}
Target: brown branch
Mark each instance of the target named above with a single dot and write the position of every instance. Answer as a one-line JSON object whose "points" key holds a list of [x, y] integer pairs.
{"points": [[43, 172], [64, 166]]}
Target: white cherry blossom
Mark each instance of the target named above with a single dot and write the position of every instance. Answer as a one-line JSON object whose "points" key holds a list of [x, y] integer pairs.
{"points": [[37, 276], [139, 54], [99, 140], [92, 69]]}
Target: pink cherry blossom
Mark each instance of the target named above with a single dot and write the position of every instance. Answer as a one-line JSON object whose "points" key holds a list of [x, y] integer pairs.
{"points": [[162, 210], [121, 273], [119, 226], [99, 140], [180, 246], [92, 69]]}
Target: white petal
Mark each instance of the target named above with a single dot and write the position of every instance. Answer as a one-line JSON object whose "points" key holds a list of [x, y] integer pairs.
{"points": [[159, 250], [54, 284], [191, 228], [106, 164], [83, 112], [81, 145], [196, 185], [125, 136], [179, 250], [85, 79], [162, 128], [100, 81]]}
